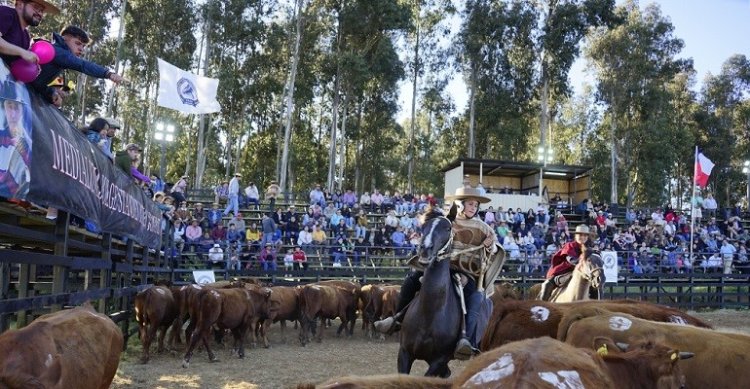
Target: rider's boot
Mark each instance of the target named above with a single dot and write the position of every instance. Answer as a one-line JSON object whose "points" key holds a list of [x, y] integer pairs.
{"points": [[464, 350], [390, 324], [547, 287]]}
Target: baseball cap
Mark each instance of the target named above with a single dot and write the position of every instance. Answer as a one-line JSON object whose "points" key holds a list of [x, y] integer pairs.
{"points": [[133, 146]]}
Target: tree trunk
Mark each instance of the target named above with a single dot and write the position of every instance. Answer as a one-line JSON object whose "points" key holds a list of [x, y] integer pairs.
{"points": [[415, 77], [290, 102], [472, 98], [200, 164], [118, 55], [342, 158], [334, 115]]}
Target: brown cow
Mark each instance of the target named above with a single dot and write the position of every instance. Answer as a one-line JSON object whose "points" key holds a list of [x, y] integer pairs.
{"points": [[505, 291], [548, 363], [75, 348], [259, 311], [155, 310], [184, 297], [226, 309], [354, 289], [283, 305], [719, 357], [513, 320], [324, 302]]}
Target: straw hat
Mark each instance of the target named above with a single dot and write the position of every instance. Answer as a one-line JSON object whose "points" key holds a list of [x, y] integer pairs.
{"points": [[49, 7], [582, 229], [468, 192]]}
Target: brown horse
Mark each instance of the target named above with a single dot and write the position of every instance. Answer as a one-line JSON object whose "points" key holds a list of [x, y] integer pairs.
{"points": [[432, 323]]}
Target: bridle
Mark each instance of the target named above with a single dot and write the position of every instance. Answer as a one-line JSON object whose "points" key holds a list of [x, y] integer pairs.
{"points": [[590, 272]]}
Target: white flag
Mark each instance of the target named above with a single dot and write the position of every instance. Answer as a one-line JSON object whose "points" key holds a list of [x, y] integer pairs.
{"points": [[186, 92]]}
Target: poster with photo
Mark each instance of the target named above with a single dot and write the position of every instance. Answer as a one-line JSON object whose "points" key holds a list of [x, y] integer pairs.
{"points": [[15, 136]]}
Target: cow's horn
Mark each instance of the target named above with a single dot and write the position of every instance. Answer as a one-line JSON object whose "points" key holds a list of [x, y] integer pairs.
{"points": [[686, 355]]}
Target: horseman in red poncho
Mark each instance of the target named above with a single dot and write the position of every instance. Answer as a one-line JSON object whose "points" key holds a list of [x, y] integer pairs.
{"points": [[564, 261]]}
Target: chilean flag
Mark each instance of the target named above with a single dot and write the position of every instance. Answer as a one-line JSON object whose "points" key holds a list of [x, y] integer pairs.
{"points": [[703, 167]]}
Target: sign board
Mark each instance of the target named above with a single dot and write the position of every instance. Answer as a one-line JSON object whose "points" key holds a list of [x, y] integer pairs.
{"points": [[610, 266]]}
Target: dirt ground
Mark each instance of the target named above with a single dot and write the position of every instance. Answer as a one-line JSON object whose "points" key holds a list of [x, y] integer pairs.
{"points": [[286, 364]]}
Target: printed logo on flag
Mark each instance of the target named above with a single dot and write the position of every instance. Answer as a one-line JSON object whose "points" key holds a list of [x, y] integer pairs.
{"points": [[186, 90]]}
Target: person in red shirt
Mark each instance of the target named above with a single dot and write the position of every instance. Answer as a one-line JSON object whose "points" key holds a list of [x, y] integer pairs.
{"points": [[300, 259], [563, 262]]}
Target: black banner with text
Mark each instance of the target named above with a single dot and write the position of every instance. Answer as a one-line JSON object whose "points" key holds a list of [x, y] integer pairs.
{"points": [[65, 170]]}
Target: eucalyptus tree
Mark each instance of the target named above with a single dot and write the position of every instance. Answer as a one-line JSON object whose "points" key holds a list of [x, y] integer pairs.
{"points": [[724, 123], [635, 62], [146, 38], [497, 56], [429, 26]]}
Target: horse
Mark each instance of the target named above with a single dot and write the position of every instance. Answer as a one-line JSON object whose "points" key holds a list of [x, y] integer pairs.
{"points": [[432, 324], [588, 273]]}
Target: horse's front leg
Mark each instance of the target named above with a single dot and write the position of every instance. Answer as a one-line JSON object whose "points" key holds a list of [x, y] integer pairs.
{"points": [[405, 360], [439, 368]]}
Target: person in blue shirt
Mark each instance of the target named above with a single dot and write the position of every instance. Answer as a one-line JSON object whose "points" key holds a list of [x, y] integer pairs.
{"points": [[399, 240], [69, 46]]}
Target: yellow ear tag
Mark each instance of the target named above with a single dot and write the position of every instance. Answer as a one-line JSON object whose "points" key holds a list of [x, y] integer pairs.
{"points": [[602, 350], [674, 356]]}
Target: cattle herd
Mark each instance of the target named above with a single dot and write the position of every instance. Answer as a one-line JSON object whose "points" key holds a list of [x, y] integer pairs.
{"points": [[587, 344]]}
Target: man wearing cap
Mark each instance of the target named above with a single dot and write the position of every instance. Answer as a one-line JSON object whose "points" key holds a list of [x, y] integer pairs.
{"points": [[469, 232], [216, 254], [69, 45], [317, 196], [15, 39], [563, 262], [124, 158], [233, 195]]}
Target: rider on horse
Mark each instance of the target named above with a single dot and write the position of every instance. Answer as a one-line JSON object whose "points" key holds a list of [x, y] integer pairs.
{"points": [[475, 242], [564, 261]]}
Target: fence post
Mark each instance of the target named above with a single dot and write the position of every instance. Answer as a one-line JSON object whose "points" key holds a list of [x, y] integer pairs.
{"points": [[105, 274], [60, 273], [4, 289]]}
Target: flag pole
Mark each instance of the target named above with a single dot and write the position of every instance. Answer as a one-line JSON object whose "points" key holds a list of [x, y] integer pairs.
{"points": [[692, 203]]}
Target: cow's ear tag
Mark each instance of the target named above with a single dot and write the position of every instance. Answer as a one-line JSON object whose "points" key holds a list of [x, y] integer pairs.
{"points": [[602, 350], [674, 356]]}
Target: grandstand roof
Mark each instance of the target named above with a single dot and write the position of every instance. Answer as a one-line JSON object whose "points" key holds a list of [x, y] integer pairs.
{"points": [[494, 167]]}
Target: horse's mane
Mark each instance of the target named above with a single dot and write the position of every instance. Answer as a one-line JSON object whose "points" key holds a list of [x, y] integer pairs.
{"points": [[431, 213]]}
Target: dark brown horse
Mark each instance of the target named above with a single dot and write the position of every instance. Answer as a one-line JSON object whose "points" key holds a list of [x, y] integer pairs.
{"points": [[432, 324]]}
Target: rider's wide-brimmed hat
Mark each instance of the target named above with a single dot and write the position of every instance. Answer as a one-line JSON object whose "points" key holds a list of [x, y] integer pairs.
{"points": [[582, 229], [468, 192], [49, 7]]}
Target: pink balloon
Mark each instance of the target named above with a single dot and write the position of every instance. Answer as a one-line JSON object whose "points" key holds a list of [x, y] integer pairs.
{"points": [[44, 50], [24, 71]]}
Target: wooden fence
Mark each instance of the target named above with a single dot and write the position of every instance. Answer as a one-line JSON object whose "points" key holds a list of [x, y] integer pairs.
{"points": [[46, 265]]}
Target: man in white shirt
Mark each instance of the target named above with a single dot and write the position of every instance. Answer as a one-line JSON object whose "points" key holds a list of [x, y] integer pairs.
{"points": [[252, 195], [234, 195], [215, 254], [710, 205], [727, 255]]}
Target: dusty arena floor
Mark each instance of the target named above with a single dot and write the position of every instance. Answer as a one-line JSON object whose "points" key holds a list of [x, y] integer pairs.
{"points": [[285, 365]]}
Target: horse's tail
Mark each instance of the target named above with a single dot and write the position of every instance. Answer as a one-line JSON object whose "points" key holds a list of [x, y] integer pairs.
{"points": [[574, 315]]}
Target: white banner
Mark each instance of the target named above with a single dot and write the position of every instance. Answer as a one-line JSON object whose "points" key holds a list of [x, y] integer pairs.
{"points": [[186, 92], [203, 276], [610, 266]]}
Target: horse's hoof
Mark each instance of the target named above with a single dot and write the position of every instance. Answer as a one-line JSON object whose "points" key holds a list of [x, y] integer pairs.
{"points": [[185, 364]]}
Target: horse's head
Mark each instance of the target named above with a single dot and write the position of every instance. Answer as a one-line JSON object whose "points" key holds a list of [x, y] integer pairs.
{"points": [[592, 269], [437, 235]]}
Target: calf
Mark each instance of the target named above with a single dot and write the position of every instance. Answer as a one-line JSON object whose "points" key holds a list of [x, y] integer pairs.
{"points": [[546, 362], [230, 309], [75, 348], [283, 305], [523, 319], [324, 302], [719, 356], [155, 310]]}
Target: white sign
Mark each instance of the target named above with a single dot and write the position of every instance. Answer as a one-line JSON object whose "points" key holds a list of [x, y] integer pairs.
{"points": [[204, 276], [610, 266], [186, 92]]}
